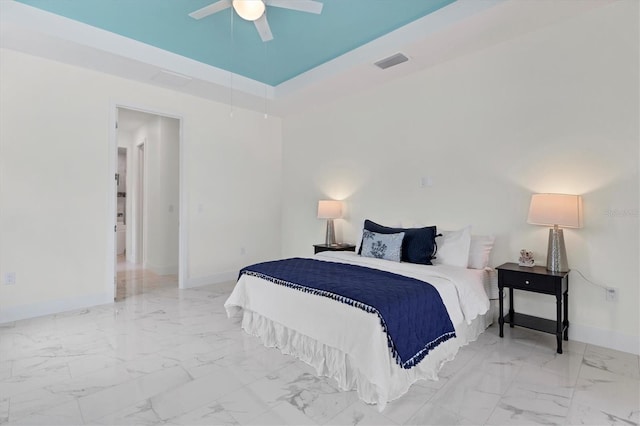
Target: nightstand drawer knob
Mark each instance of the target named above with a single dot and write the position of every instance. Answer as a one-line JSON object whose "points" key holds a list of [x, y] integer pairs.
{"points": [[526, 282]]}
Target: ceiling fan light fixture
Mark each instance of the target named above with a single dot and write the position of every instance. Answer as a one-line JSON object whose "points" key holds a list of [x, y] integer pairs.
{"points": [[249, 10]]}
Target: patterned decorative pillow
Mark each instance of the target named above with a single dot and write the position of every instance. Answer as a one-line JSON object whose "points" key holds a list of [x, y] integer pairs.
{"points": [[419, 244], [382, 246]]}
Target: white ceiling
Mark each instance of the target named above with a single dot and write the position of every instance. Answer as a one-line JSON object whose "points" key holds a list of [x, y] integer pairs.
{"points": [[461, 28]]}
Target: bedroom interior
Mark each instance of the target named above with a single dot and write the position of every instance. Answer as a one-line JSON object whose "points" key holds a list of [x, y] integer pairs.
{"points": [[497, 104]]}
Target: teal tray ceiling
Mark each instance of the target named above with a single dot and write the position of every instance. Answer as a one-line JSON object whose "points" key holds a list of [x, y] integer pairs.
{"points": [[302, 41]]}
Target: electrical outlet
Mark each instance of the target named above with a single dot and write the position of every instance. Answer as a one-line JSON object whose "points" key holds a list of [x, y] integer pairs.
{"points": [[611, 294], [9, 278]]}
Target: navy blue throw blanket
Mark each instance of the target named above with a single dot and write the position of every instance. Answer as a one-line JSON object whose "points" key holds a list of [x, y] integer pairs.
{"points": [[411, 311]]}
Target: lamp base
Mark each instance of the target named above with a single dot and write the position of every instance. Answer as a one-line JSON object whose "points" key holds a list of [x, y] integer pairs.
{"points": [[556, 251], [330, 237]]}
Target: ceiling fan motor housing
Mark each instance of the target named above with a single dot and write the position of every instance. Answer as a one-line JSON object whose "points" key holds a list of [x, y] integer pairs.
{"points": [[249, 10]]}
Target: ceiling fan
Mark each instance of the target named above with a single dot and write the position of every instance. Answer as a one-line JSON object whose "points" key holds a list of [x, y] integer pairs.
{"points": [[255, 10]]}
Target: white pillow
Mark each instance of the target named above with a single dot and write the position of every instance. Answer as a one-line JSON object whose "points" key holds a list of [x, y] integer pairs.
{"points": [[480, 250], [453, 247]]}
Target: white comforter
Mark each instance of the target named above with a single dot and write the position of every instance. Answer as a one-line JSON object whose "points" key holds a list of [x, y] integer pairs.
{"points": [[347, 343]]}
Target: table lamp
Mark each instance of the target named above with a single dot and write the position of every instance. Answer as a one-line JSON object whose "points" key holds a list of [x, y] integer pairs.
{"points": [[556, 210], [329, 209]]}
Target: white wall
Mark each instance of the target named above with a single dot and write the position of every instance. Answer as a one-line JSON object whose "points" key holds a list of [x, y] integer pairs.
{"points": [[56, 185], [553, 111], [162, 195]]}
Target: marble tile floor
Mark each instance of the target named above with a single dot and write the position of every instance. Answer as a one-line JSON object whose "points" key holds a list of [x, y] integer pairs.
{"points": [[172, 357]]}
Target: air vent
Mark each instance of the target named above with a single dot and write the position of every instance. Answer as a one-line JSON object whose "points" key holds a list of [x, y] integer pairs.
{"points": [[169, 78], [391, 61]]}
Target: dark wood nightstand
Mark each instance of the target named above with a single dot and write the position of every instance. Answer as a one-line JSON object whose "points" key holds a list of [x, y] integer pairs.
{"points": [[338, 247], [538, 280]]}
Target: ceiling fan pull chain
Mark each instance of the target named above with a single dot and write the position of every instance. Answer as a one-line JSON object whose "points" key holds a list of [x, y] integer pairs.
{"points": [[231, 69]]}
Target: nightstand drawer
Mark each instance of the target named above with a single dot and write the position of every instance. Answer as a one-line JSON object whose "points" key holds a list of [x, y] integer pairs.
{"points": [[531, 282]]}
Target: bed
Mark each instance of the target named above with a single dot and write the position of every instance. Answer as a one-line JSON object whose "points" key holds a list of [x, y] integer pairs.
{"points": [[359, 357]]}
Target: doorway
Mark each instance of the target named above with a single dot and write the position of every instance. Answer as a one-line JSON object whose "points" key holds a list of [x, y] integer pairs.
{"points": [[147, 207]]}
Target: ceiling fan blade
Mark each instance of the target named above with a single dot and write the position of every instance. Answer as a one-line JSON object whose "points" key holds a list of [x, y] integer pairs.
{"points": [[309, 6], [211, 9], [262, 25]]}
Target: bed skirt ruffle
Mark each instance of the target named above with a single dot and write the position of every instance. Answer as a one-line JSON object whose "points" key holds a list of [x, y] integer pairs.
{"points": [[331, 362]]}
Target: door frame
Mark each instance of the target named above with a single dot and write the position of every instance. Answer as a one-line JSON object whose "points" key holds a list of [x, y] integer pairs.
{"points": [[183, 234], [141, 203]]}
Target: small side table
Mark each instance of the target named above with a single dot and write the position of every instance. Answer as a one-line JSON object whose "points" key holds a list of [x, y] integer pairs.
{"points": [[338, 247], [539, 280]]}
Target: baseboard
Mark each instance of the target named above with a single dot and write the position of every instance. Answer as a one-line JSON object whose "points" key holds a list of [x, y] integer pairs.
{"points": [[32, 310], [211, 279], [608, 338]]}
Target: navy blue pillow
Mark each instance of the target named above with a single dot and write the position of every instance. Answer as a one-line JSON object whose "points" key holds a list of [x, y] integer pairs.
{"points": [[418, 245]]}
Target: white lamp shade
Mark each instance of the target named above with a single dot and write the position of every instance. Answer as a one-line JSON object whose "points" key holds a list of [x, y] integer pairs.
{"points": [[556, 209], [329, 209], [249, 10]]}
